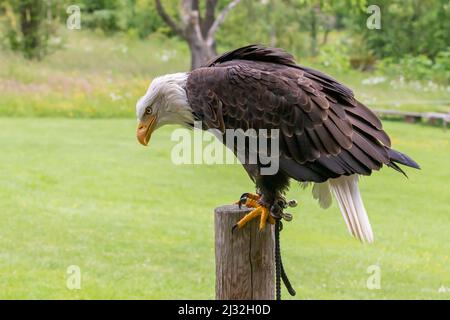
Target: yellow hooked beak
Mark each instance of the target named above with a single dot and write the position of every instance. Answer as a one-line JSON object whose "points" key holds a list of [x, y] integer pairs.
{"points": [[145, 129]]}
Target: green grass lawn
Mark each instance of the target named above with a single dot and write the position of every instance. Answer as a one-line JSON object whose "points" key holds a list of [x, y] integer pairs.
{"points": [[83, 192]]}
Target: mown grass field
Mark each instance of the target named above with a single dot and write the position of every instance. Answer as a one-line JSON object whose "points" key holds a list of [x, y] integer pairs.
{"points": [[83, 192]]}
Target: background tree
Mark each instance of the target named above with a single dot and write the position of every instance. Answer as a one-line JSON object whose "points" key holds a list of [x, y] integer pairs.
{"points": [[197, 30], [27, 28], [425, 21]]}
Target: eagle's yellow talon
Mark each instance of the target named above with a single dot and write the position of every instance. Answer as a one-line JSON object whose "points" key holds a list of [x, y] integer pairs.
{"points": [[261, 211], [264, 216], [250, 203], [248, 217], [250, 200]]}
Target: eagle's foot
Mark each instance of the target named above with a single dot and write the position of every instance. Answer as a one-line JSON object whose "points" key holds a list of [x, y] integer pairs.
{"points": [[259, 210], [267, 213], [252, 200]]}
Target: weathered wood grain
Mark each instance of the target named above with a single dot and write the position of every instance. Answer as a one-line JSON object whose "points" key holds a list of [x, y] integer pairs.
{"points": [[245, 266]]}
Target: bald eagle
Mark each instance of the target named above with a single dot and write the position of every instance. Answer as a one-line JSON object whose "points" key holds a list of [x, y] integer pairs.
{"points": [[326, 137]]}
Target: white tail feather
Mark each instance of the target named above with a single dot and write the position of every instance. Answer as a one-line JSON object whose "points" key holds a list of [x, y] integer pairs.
{"points": [[321, 192], [345, 189]]}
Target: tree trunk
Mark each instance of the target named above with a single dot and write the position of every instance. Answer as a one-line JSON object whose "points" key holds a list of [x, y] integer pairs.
{"points": [[198, 32], [201, 52], [30, 25]]}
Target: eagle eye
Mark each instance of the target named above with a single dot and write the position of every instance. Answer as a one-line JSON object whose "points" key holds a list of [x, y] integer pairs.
{"points": [[148, 110]]}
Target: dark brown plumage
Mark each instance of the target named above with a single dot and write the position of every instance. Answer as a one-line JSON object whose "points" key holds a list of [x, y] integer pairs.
{"points": [[325, 136], [324, 131]]}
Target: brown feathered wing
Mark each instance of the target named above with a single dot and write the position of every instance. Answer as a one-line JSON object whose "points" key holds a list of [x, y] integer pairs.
{"points": [[324, 131]]}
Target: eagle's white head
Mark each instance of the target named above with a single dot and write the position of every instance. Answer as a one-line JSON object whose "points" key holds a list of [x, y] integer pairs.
{"points": [[164, 103]]}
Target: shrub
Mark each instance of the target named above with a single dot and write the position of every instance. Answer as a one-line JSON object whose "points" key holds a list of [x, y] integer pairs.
{"points": [[418, 67], [334, 57]]}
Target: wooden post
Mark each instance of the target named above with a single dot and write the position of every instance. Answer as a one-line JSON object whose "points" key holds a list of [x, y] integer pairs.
{"points": [[245, 268]]}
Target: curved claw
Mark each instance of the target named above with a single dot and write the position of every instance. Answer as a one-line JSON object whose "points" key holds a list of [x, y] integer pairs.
{"points": [[248, 199], [242, 201]]}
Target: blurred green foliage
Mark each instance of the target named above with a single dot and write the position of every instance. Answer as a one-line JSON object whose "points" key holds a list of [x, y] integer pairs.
{"points": [[418, 67], [413, 40], [414, 35], [134, 17], [97, 76], [26, 28], [408, 27]]}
